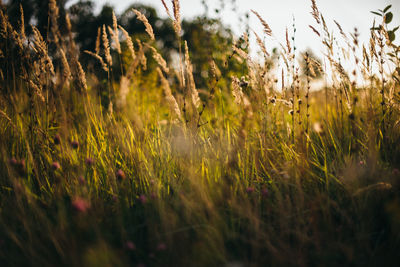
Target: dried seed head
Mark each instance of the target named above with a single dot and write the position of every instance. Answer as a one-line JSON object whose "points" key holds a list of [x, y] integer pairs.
{"points": [[54, 14], [237, 91], [99, 58], [146, 23], [123, 91], [166, 8], [261, 44], [267, 29], [192, 86], [81, 76], [66, 69], [315, 12], [97, 48], [177, 16], [159, 59], [168, 94], [106, 45], [128, 42], [22, 23], [116, 34]]}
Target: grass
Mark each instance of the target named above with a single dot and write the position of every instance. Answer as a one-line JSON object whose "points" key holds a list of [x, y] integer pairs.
{"points": [[243, 174]]}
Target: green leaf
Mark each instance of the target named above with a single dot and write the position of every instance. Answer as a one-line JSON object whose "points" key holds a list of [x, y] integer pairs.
{"points": [[395, 29], [388, 17], [387, 8], [376, 13], [392, 36]]}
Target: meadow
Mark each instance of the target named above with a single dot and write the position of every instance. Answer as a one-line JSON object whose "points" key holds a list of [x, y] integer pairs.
{"points": [[127, 162]]}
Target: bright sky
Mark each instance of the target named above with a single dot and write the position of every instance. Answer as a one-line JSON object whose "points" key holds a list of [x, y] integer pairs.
{"points": [[279, 15]]}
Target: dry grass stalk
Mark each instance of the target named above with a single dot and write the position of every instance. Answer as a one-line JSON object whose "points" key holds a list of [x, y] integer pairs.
{"points": [[4, 115], [168, 95], [240, 52], [267, 29], [72, 46], [22, 23], [99, 58], [141, 55], [106, 45], [81, 76], [68, 23], [159, 59], [116, 34], [37, 90], [146, 23], [54, 14], [314, 30], [40, 47], [289, 48], [123, 92], [177, 16], [3, 23], [261, 44], [97, 48], [340, 29], [192, 86], [237, 91], [66, 68], [215, 72], [166, 9], [315, 12], [114, 44], [128, 42]]}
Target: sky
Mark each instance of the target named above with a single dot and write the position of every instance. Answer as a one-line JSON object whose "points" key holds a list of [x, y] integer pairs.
{"points": [[279, 15]]}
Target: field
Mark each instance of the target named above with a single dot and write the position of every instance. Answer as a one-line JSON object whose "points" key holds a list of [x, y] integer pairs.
{"points": [[128, 161]]}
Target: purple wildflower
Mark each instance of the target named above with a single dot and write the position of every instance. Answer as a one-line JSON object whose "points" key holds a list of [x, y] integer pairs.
{"points": [[143, 199], [161, 246], [55, 165], [80, 204], [250, 190], [81, 180], [129, 245], [89, 161]]}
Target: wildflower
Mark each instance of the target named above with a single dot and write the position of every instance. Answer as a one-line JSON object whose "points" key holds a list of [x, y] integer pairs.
{"points": [[143, 199], [80, 204], [250, 190], [55, 165], [57, 139], [89, 161], [81, 180], [75, 144], [161, 246], [129, 245], [265, 192], [13, 162], [120, 175]]}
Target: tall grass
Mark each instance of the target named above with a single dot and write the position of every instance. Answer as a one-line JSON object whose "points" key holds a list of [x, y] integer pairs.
{"points": [[242, 174]]}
